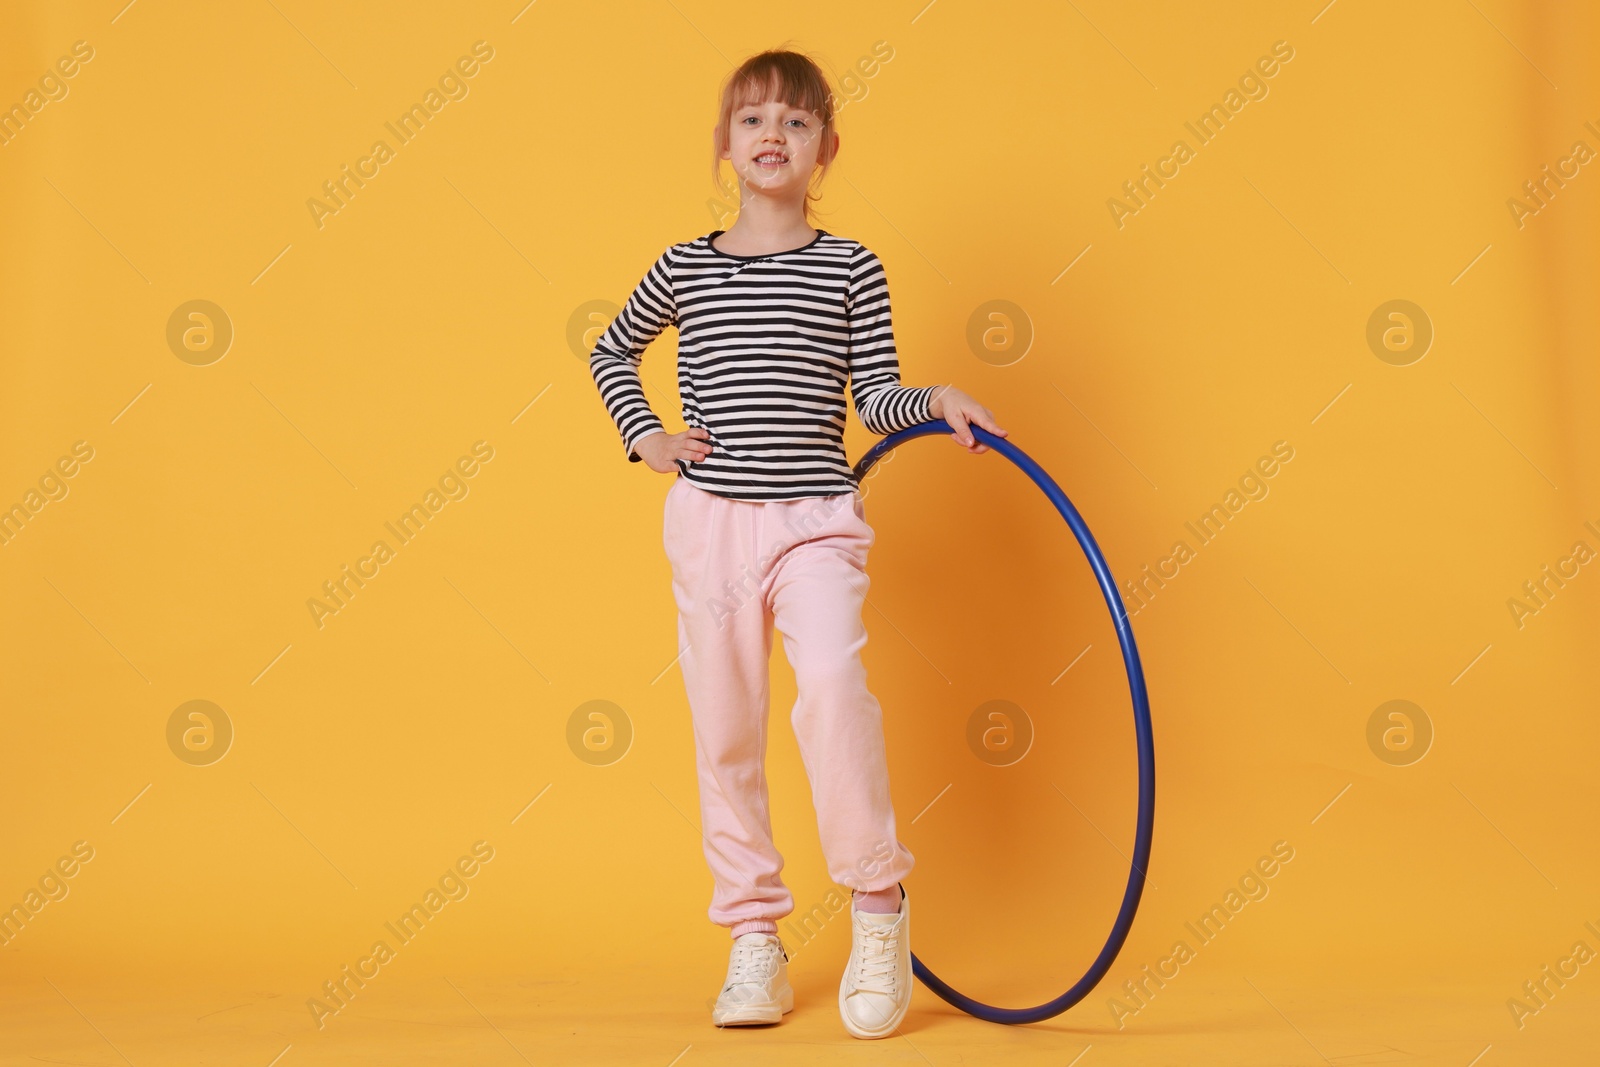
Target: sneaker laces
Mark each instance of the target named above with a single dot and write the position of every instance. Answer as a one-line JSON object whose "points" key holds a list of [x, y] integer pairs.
{"points": [[751, 962], [878, 949]]}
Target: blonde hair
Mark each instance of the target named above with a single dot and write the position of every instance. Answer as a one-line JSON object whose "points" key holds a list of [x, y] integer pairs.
{"points": [[789, 77]]}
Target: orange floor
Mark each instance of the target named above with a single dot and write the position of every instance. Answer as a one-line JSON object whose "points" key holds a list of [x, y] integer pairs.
{"points": [[632, 1016]]}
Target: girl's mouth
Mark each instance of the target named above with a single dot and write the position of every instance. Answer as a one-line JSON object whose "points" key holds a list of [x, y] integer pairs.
{"points": [[772, 160]]}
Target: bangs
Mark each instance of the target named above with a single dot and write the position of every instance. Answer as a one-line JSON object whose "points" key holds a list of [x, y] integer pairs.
{"points": [[794, 84]]}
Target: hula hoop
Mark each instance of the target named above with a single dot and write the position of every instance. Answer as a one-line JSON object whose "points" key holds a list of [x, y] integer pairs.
{"points": [[1141, 720]]}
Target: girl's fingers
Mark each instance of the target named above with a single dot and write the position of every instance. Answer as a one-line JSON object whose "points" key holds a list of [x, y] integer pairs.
{"points": [[986, 420], [695, 447], [977, 418]]}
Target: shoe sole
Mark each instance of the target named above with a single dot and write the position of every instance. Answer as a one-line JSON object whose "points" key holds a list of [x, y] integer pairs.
{"points": [[872, 1035], [756, 1014]]}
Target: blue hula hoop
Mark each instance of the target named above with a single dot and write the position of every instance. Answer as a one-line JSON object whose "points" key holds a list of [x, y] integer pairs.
{"points": [[1141, 720]]}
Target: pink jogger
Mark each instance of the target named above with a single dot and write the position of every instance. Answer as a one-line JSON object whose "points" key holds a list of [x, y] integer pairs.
{"points": [[738, 568]]}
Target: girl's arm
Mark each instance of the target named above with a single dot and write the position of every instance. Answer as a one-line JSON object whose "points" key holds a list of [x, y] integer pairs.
{"points": [[884, 405], [614, 363]]}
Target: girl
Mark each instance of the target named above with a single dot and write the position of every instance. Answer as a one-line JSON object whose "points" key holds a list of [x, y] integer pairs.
{"points": [[764, 524]]}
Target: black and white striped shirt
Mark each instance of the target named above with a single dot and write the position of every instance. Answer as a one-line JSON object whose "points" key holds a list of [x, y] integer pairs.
{"points": [[765, 347]]}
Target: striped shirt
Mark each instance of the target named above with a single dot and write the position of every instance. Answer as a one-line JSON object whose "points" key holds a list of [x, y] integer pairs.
{"points": [[766, 345]]}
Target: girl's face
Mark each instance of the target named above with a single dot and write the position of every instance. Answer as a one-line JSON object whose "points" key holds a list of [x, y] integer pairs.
{"points": [[774, 147]]}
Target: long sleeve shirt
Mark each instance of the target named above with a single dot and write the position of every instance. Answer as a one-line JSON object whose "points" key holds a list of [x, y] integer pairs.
{"points": [[766, 346]]}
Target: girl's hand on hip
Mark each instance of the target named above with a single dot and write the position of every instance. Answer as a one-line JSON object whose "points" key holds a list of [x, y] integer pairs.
{"points": [[661, 451], [959, 410]]}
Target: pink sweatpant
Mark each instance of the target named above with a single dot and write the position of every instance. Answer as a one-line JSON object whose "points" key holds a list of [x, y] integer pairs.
{"points": [[738, 567]]}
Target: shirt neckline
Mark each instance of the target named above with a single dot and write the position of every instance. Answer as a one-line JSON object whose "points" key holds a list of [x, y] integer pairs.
{"points": [[714, 234]]}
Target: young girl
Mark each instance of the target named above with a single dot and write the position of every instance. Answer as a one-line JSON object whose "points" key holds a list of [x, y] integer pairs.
{"points": [[765, 524]]}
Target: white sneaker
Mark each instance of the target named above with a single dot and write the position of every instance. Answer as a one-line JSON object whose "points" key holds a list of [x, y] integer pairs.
{"points": [[876, 988], [757, 989]]}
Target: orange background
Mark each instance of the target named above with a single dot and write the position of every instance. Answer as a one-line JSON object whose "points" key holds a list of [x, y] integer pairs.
{"points": [[452, 301]]}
